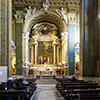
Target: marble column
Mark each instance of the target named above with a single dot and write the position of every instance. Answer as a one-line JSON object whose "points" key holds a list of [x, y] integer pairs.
{"points": [[32, 55], [36, 45], [54, 54], [57, 54], [23, 46], [18, 43], [88, 39], [5, 33], [27, 48], [60, 51]]}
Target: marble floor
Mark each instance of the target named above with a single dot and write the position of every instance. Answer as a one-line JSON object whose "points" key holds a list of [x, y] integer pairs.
{"points": [[46, 92]]}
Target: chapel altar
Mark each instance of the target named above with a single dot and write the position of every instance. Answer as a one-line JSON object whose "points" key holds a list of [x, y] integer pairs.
{"points": [[45, 50], [45, 70], [46, 73]]}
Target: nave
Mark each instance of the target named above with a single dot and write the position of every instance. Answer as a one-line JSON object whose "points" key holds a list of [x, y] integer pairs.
{"points": [[58, 88], [66, 89], [46, 92]]}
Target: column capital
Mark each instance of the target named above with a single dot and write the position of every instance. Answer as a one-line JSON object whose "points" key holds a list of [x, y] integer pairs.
{"points": [[26, 33], [54, 43], [18, 18], [35, 43], [64, 34]]}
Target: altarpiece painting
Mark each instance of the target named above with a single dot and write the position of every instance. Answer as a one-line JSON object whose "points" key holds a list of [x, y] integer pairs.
{"points": [[45, 53]]}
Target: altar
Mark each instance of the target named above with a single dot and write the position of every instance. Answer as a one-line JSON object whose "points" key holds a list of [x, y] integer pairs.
{"points": [[46, 73]]}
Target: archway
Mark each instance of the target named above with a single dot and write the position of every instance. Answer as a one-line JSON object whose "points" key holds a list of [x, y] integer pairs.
{"points": [[45, 28]]}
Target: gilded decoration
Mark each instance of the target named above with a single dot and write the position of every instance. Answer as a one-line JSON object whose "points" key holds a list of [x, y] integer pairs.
{"points": [[77, 62], [44, 28], [13, 58], [46, 5], [62, 14], [29, 11], [13, 63]]}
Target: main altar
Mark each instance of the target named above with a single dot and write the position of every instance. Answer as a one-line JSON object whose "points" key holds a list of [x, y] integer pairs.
{"points": [[45, 70]]}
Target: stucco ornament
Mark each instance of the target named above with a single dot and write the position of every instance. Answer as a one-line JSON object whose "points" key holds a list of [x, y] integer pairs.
{"points": [[29, 12], [46, 5], [63, 14]]}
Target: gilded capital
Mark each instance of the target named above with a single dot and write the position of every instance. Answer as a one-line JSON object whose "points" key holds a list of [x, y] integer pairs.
{"points": [[54, 32], [54, 43]]}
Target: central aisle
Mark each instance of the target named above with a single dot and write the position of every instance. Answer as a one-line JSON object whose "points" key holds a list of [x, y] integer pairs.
{"points": [[46, 92]]}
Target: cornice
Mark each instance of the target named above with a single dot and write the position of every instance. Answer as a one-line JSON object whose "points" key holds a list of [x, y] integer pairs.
{"points": [[64, 3]]}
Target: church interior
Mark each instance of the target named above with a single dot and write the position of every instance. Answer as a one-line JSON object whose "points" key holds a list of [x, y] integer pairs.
{"points": [[52, 47]]}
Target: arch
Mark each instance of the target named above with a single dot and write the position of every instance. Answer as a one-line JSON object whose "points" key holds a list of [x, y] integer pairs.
{"points": [[49, 16], [37, 17]]}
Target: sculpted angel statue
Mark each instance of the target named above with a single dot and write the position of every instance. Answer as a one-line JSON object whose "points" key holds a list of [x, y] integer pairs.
{"points": [[46, 5], [63, 14], [29, 12]]}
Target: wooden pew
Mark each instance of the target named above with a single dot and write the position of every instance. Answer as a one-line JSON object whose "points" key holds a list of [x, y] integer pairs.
{"points": [[83, 94], [31, 81], [78, 90], [63, 85], [72, 91], [13, 93], [81, 86], [28, 89]]}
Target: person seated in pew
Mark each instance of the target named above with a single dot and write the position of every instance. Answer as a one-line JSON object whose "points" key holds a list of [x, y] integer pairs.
{"points": [[20, 82], [3, 86], [66, 80], [10, 83], [25, 82], [74, 79]]}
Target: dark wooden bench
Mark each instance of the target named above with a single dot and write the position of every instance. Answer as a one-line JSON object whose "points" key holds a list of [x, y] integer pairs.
{"points": [[63, 86], [82, 97], [28, 89], [73, 87], [13, 93], [83, 94], [78, 90]]}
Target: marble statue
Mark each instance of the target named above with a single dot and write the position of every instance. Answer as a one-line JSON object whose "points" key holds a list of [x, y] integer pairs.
{"points": [[46, 5], [63, 14], [29, 12]]}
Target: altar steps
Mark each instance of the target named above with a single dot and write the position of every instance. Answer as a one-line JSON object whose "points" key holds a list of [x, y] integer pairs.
{"points": [[46, 81]]}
